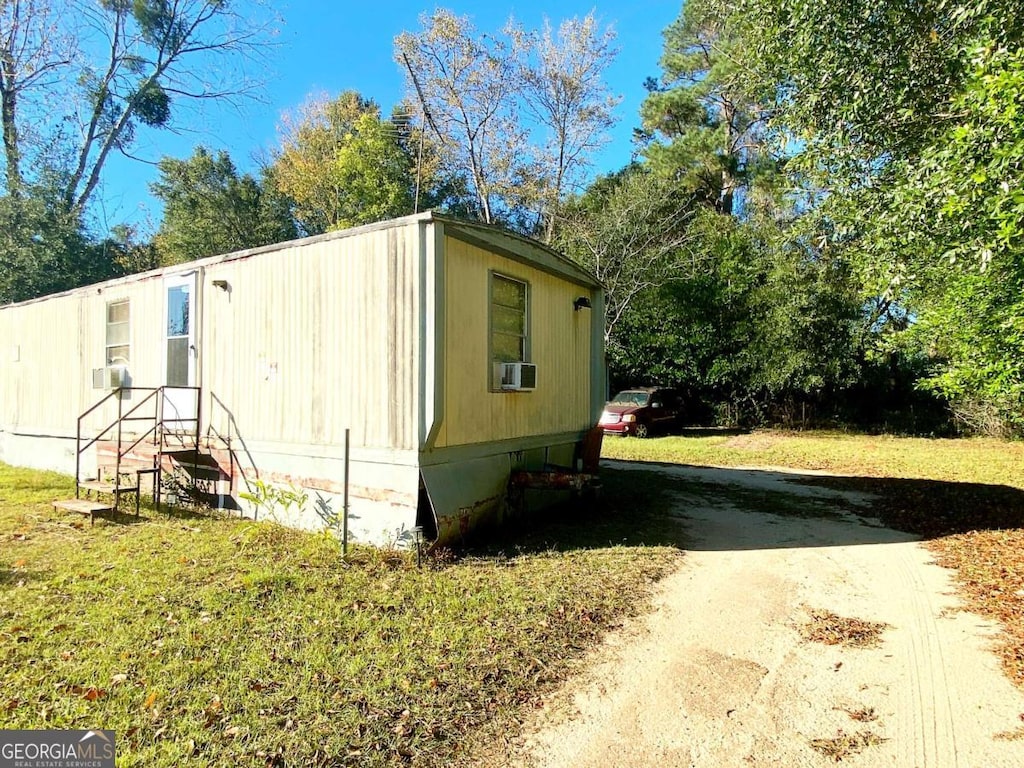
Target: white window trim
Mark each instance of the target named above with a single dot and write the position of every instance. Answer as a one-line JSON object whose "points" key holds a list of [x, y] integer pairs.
{"points": [[493, 376], [126, 360]]}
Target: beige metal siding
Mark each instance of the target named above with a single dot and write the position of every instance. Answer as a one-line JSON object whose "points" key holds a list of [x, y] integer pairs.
{"points": [[318, 337], [308, 340], [59, 341], [560, 342]]}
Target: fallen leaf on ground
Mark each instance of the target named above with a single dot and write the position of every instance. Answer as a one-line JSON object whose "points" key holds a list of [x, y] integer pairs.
{"points": [[90, 693], [832, 629], [844, 745]]}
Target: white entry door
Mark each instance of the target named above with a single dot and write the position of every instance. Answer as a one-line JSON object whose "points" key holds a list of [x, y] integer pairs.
{"points": [[180, 405]]}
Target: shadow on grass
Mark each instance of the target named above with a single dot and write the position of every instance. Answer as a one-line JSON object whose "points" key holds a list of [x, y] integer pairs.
{"points": [[627, 512], [838, 510], [17, 576], [706, 508], [125, 514], [934, 508], [181, 512], [148, 512]]}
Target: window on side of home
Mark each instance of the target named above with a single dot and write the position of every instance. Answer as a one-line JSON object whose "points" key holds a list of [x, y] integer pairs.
{"points": [[509, 320], [118, 347]]}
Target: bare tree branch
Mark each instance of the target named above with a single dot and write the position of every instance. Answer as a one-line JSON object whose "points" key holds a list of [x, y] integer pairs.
{"points": [[632, 237], [517, 114], [155, 55], [33, 51]]}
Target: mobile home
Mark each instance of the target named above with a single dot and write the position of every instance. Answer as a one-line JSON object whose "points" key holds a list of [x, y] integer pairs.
{"points": [[453, 353]]}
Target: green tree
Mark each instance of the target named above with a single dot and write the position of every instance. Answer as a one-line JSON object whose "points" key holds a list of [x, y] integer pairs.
{"points": [[854, 87], [92, 74], [972, 328], [907, 118], [964, 193], [130, 250], [79, 80], [962, 233], [764, 314], [699, 124], [343, 165], [631, 231], [757, 325], [210, 209], [43, 248]]}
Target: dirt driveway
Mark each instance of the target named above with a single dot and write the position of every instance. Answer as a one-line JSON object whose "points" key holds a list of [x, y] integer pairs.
{"points": [[718, 674]]}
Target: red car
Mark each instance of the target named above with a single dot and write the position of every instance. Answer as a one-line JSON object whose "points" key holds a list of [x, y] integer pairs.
{"points": [[642, 412]]}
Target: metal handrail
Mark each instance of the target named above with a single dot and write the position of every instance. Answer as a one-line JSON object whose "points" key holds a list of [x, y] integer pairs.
{"points": [[149, 431], [159, 434], [99, 436], [78, 440], [232, 425], [231, 457], [118, 422], [80, 449]]}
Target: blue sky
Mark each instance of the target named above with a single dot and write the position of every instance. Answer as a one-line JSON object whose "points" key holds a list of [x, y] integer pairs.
{"points": [[332, 47]]}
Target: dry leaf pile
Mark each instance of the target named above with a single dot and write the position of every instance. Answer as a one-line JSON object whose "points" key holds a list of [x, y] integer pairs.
{"points": [[862, 715], [845, 745], [990, 573], [832, 629]]}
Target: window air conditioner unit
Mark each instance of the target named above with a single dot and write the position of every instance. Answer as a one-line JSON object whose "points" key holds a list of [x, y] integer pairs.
{"points": [[108, 378], [518, 376]]}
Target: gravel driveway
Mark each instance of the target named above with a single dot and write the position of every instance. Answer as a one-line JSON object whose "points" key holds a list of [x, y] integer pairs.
{"points": [[718, 675]]}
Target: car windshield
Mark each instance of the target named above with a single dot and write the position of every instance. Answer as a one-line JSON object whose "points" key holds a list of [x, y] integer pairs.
{"points": [[631, 398]]}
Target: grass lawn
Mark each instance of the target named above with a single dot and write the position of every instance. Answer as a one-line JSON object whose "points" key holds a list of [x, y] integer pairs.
{"points": [[209, 641], [979, 460], [965, 497]]}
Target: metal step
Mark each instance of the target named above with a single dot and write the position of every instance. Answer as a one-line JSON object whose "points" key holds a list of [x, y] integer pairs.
{"points": [[103, 486], [201, 472]]}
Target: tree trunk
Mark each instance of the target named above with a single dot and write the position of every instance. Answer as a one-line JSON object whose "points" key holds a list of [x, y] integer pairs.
{"points": [[8, 116], [726, 199]]}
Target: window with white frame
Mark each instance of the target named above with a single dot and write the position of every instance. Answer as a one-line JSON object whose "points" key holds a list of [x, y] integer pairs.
{"points": [[509, 320], [118, 347]]}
